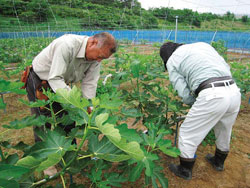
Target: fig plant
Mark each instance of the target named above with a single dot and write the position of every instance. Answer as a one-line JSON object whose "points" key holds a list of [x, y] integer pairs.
{"points": [[107, 142]]}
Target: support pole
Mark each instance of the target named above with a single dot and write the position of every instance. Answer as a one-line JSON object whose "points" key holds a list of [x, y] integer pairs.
{"points": [[214, 36], [176, 26]]}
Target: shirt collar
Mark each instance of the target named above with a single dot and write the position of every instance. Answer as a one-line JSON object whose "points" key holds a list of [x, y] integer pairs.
{"points": [[81, 53]]}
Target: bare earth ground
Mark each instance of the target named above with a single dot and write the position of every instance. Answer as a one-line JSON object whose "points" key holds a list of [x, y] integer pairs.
{"points": [[237, 165]]}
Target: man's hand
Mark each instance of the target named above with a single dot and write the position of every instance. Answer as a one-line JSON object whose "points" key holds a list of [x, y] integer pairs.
{"points": [[89, 109]]}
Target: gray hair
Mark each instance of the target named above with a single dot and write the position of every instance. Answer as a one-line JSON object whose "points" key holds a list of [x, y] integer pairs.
{"points": [[105, 39]]}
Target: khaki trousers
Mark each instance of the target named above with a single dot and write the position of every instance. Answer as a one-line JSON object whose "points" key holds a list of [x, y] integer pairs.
{"points": [[215, 108]]}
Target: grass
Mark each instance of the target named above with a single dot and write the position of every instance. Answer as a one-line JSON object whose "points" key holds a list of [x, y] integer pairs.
{"points": [[10, 24], [223, 25], [14, 24]]}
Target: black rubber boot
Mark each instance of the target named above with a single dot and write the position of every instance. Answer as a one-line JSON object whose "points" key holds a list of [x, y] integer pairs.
{"points": [[184, 170], [217, 161]]}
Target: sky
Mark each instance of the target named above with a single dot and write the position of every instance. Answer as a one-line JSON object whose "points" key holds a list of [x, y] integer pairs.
{"points": [[214, 6]]}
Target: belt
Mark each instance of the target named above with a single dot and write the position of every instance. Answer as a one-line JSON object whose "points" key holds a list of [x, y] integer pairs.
{"points": [[207, 83], [34, 75]]}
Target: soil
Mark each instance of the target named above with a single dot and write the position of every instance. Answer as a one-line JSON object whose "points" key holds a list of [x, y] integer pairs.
{"points": [[237, 165]]}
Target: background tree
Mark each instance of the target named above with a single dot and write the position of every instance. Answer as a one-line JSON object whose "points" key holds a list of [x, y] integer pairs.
{"points": [[244, 18], [229, 16]]}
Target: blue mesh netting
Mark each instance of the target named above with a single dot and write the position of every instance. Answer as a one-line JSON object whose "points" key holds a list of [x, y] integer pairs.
{"points": [[235, 40]]}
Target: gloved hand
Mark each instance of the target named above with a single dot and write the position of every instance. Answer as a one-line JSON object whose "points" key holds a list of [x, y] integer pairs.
{"points": [[89, 109]]}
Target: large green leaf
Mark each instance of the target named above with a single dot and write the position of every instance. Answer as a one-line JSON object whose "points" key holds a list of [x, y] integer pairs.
{"points": [[78, 116], [8, 183], [11, 159], [129, 134], [107, 129], [106, 150], [11, 171], [77, 165], [112, 157], [131, 112], [158, 175], [37, 103], [95, 102], [172, 107], [150, 138], [48, 153], [136, 172], [173, 151], [109, 102], [5, 144], [52, 160], [14, 87], [135, 68], [164, 144], [19, 146], [32, 164], [27, 122], [29, 162], [74, 97], [115, 179], [149, 166], [131, 148], [53, 143]]}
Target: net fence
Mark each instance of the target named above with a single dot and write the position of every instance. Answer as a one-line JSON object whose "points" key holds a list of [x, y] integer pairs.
{"points": [[125, 19], [233, 40]]}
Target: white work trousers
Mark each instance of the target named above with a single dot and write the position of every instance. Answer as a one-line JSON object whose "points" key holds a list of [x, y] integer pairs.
{"points": [[215, 107]]}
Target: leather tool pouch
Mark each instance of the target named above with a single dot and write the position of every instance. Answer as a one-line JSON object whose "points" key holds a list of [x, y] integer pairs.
{"points": [[25, 76], [39, 91]]}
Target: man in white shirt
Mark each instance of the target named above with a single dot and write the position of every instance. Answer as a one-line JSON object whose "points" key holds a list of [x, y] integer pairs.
{"points": [[202, 79], [69, 59]]}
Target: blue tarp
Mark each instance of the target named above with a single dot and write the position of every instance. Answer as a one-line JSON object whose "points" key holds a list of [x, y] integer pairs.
{"points": [[235, 40]]}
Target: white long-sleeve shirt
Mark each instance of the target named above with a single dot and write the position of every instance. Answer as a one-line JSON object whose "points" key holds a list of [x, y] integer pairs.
{"points": [[191, 64], [63, 62]]}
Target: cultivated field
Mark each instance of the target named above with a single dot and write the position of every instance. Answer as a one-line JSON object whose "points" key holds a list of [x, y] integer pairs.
{"points": [[138, 94]]}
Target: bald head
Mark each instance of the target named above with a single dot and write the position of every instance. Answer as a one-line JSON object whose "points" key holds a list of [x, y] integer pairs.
{"points": [[106, 40]]}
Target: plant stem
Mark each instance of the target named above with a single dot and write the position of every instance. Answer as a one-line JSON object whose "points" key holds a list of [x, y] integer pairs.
{"points": [[5, 131], [63, 162], [139, 96], [63, 182], [78, 149], [59, 112], [40, 182], [85, 156], [95, 128], [46, 108], [154, 149], [53, 116], [91, 184], [148, 149]]}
